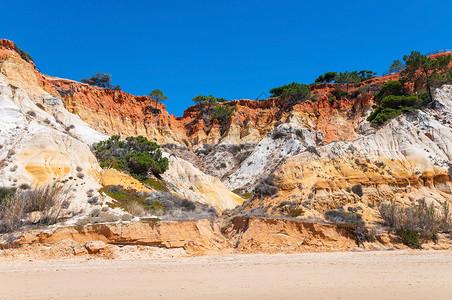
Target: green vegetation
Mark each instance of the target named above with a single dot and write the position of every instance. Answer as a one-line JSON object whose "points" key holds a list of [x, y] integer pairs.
{"points": [[223, 113], [421, 71], [139, 203], [210, 100], [296, 212], [295, 91], [136, 155], [348, 78], [420, 220], [157, 96], [326, 78], [15, 205], [155, 184], [396, 66], [23, 54], [340, 216], [6, 192], [212, 106], [410, 238], [130, 200], [430, 71], [358, 190], [394, 100], [101, 80]]}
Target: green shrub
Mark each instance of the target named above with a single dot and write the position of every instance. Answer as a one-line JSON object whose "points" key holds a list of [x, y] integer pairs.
{"points": [[419, 217], [188, 205], [223, 113], [296, 212], [299, 133], [381, 116], [340, 216], [278, 135], [136, 155], [390, 88], [211, 100], [23, 54], [338, 93], [155, 184], [393, 101], [6, 191], [410, 238], [358, 190], [295, 91], [400, 101]]}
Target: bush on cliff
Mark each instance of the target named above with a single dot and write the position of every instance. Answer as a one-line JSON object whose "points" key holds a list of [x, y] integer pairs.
{"points": [[101, 80], [223, 113], [394, 100], [294, 91], [136, 155], [23, 54], [326, 78]]}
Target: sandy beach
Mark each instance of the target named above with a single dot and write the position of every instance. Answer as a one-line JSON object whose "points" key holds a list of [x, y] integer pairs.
{"points": [[351, 275]]}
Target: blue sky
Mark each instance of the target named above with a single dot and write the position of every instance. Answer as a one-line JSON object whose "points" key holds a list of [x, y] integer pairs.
{"points": [[230, 49]]}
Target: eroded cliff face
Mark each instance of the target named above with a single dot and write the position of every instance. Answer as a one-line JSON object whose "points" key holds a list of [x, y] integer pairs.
{"points": [[191, 238], [317, 150], [38, 143], [41, 141]]}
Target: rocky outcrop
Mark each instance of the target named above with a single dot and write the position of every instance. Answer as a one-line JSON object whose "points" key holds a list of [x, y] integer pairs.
{"points": [[190, 235], [191, 183], [199, 237]]}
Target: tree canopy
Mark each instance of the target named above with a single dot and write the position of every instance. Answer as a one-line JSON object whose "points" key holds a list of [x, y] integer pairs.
{"points": [[348, 78], [293, 90], [101, 80], [326, 78], [157, 96], [200, 99], [430, 71], [136, 155], [396, 66]]}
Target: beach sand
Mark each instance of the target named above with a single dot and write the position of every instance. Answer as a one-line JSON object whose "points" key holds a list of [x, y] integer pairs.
{"points": [[349, 275]]}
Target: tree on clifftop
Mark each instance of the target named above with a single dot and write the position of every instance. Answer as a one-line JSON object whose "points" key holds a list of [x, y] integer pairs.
{"points": [[396, 66], [157, 96], [431, 72], [294, 91], [210, 100], [348, 78], [102, 80], [326, 78]]}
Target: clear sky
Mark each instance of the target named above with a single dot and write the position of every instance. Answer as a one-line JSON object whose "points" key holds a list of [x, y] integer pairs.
{"points": [[230, 49]]}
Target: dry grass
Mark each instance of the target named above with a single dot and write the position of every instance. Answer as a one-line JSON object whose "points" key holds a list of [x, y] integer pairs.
{"points": [[11, 212], [135, 208], [49, 200], [420, 217]]}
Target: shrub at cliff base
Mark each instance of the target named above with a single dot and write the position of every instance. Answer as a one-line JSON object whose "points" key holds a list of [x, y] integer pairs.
{"points": [[48, 201], [135, 155], [420, 220]]}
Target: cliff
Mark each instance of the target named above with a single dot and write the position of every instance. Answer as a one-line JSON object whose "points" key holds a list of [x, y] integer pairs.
{"points": [[311, 154]]}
